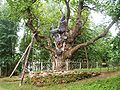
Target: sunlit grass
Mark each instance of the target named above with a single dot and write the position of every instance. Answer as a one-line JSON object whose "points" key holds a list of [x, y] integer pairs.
{"points": [[88, 84], [112, 83], [106, 69]]}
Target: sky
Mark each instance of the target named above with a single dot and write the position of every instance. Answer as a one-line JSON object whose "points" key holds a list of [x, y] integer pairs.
{"points": [[99, 18], [20, 33]]}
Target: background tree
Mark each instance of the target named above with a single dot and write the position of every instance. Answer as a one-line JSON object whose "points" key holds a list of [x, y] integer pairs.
{"points": [[8, 41], [116, 49]]}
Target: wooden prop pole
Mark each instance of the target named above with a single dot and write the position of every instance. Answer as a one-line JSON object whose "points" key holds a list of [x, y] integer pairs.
{"points": [[20, 60], [26, 60]]}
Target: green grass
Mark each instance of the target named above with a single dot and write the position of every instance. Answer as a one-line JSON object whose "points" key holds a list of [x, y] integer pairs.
{"points": [[98, 69], [112, 83]]}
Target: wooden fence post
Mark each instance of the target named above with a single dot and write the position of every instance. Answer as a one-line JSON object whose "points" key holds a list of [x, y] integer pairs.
{"points": [[53, 66], [0, 71], [67, 65], [96, 64], [80, 65], [41, 66], [48, 66]]}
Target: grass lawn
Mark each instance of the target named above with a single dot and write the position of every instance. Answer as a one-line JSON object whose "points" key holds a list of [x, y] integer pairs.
{"points": [[112, 83], [98, 69]]}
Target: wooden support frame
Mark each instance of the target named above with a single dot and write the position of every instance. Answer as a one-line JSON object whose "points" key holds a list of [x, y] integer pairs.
{"points": [[24, 57], [26, 60]]}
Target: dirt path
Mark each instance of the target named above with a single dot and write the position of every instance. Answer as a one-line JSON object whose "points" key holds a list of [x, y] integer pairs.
{"points": [[103, 75], [1, 88], [109, 74]]}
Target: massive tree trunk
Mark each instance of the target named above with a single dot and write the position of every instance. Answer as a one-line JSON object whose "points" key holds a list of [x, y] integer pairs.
{"points": [[58, 64]]}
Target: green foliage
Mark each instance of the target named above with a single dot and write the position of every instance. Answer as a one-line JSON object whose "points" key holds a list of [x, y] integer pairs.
{"points": [[24, 42], [116, 48], [112, 7], [101, 51], [106, 84], [42, 12], [18, 8], [109, 7], [8, 37], [37, 53], [116, 43], [8, 41]]}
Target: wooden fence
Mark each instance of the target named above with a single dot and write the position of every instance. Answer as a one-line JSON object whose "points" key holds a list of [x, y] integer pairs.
{"points": [[40, 66]]}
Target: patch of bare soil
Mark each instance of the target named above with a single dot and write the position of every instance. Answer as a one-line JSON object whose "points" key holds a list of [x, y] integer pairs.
{"points": [[1, 88], [103, 75], [7, 79], [108, 74]]}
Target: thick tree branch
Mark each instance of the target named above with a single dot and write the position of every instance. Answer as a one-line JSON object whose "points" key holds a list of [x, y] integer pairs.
{"points": [[80, 7], [70, 52], [74, 32], [31, 26], [68, 10]]}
